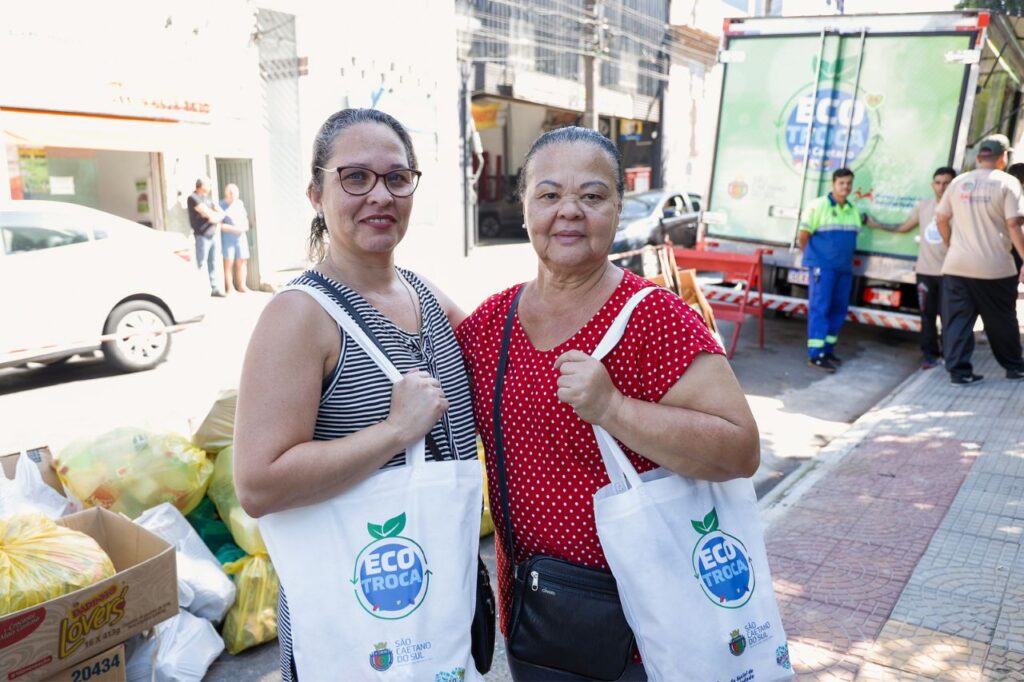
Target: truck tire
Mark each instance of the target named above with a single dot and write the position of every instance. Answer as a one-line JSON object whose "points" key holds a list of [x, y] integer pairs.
{"points": [[136, 347]]}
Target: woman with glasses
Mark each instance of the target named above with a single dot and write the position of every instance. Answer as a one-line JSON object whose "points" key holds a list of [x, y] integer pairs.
{"points": [[315, 416]]}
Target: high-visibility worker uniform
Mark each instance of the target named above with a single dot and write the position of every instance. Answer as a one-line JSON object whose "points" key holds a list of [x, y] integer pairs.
{"points": [[828, 257]]}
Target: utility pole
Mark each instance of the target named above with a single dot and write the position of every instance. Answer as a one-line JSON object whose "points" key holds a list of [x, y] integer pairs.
{"points": [[594, 42]]}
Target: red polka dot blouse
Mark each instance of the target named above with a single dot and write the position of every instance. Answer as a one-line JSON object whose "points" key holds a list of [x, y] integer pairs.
{"points": [[552, 460]]}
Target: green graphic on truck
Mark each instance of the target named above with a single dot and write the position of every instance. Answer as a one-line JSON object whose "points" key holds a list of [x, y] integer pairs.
{"points": [[898, 119]]}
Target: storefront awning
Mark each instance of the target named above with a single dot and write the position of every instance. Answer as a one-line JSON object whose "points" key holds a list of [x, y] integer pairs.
{"points": [[29, 128]]}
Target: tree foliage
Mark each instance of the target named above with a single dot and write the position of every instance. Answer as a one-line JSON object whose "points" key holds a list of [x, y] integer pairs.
{"points": [[1011, 7]]}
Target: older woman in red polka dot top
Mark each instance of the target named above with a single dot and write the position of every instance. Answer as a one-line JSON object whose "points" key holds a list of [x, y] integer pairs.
{"points": [[666, 391]]}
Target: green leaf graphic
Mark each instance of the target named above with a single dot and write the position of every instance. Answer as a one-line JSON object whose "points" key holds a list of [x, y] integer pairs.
{"points": [[375, 531], [698, 526], [393, 527], [711, 521]]}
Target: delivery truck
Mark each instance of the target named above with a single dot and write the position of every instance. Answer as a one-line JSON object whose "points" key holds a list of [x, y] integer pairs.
{"points": [[892, 97]]}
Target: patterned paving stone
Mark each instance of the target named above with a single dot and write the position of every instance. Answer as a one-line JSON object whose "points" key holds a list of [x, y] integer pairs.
{"points": [[911, 649], [936, 484], [852, 587], [994, 482], [1009, 633], [946, 613], [816, 522], [872, 672], [790, 577], [1009, 462], [798, 545], [827, 639], [895, 562], [1004, 528], [997, 504], [894, 523], [973, 582], [875, 483], [953, 549], [841, 503], [1003, 665]]}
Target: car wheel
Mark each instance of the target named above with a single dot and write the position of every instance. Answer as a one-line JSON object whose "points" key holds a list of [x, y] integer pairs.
{"points": [[490, 227], [139, 340]]}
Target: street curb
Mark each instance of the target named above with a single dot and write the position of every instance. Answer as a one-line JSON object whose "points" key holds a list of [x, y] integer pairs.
{"points": [[782, 497]]}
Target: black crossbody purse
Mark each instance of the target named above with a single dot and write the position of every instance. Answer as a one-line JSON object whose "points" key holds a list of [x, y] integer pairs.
{"points": [[564, 616], [483, 629]]}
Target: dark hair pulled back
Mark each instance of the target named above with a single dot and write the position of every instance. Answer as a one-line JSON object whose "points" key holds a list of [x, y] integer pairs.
{"points": [[323, 145], [573, 135]]}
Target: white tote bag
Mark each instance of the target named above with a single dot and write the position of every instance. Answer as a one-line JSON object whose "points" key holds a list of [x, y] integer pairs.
{"points": [[691, 567], [381, 579]]}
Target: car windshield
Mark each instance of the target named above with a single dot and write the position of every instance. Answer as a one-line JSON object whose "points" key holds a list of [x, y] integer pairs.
{"points": [[639, 205]]}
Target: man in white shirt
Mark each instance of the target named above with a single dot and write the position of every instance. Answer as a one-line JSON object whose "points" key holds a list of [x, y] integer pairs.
{"points": [[931, 252], [234, 241], [979, 217]]}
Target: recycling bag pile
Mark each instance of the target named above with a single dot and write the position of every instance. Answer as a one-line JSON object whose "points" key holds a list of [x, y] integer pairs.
{"points": [[180, 490]]}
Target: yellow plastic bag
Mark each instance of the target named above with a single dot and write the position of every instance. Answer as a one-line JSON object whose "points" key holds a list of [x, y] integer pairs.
{"points": [[486, 521], [243, 527], [218, 429], [40, 560], [130, 470], [252, 619]]}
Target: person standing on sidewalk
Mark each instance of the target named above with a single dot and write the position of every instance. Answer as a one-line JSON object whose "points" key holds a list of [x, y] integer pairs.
{"points": [[979, 275], [828, 238], [204, 218], [931, 253], [234, 242]]}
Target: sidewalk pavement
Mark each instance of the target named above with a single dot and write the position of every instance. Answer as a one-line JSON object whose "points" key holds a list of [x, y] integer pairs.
{"points": [[896, 554]]}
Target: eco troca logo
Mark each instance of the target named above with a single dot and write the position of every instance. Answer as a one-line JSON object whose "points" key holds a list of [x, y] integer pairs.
{"points": [[721, 564], [390, 575]]}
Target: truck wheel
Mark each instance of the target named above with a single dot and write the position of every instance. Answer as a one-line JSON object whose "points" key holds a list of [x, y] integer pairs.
{"points": [[137, 344]]}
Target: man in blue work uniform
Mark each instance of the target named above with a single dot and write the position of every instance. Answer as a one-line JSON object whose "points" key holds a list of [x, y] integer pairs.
{"points": [[828, 238]]}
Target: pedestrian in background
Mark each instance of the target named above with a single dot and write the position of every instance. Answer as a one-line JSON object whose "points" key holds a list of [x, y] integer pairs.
{"points": [[979, 217], [666, 382], [828, 239], [931, 252], [234, 239], [204, 217], [1017, 171]]}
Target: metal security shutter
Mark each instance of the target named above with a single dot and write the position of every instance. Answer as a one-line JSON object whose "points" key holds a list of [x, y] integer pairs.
{"points": [[285, 217]]}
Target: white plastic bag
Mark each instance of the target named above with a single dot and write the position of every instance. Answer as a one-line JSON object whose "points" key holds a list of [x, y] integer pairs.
{"points": [[356, 568], [691, 567], [203, 587], [181, 649], [28, 493]]}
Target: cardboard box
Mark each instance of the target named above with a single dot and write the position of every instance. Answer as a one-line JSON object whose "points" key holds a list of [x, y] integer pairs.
{"points": [[42, 458], [42, 639], [109, 666]]}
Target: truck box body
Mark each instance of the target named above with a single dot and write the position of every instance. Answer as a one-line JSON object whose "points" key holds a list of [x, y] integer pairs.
{"points": [[893, 97]]}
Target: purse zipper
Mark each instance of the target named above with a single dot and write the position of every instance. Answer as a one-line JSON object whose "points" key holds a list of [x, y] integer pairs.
{"points": [[572, 585]]}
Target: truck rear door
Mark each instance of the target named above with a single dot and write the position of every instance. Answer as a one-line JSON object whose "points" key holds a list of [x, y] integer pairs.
{"points": [[797, 106]]}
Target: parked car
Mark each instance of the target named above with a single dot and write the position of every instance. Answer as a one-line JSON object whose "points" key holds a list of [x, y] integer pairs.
{"points": [[76, 280], [502, 218], [650, 217]]}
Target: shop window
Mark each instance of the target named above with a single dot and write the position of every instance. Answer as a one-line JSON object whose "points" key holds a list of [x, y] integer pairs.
{"points": [[24, 239]]}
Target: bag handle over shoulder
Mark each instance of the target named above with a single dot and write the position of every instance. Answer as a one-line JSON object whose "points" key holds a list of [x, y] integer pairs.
{"points": [[415, 454], [621, 472]]}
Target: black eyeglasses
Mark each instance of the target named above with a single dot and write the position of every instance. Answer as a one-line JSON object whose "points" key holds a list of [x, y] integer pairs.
{"points": [[357, 181]]}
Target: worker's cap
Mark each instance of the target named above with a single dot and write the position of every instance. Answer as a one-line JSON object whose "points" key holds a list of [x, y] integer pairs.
{"points": [[994, 145]]}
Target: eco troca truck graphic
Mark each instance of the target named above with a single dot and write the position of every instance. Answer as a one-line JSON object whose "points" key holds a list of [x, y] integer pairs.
{"points": [[891, 96]]}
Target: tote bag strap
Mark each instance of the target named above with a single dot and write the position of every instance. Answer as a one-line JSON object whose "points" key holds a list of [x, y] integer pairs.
{"points": [[621, 472], [415, 454], [499, 445]]}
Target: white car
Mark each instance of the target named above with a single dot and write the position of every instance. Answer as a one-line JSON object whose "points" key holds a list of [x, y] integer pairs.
{"points": [[74, 280]]}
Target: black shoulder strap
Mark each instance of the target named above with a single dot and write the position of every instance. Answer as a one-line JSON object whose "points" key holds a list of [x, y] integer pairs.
{"points": [[499, 447], [432, 445]]}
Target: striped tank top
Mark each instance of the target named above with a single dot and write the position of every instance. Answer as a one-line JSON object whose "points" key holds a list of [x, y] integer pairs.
{"points": [[357, 393]]}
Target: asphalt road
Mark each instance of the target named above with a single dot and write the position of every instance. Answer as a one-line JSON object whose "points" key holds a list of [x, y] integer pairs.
{"points": [[798, 409]]}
